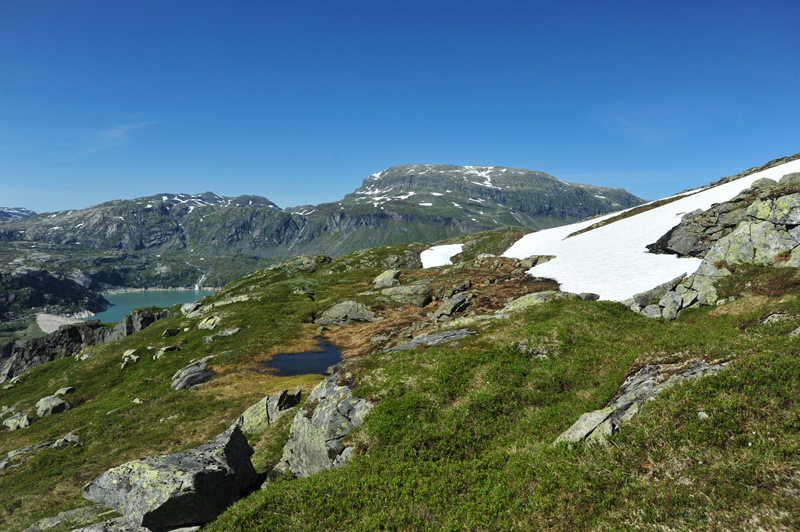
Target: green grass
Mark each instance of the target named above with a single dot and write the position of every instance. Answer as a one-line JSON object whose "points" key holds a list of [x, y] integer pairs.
{"points": [[460, 436]]}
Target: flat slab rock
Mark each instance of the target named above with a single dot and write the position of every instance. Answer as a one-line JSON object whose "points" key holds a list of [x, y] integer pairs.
{"points": [[434, 339], [193, 375], [642, 386]]}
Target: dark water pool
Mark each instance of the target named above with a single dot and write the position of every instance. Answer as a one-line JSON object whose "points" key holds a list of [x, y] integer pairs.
{"points": [[304, 363]]}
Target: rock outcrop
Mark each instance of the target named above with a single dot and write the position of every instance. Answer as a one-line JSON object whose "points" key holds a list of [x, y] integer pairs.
{"points": [[418, 295], [186, 488], [261, 415], [642, 386], [52, 404], [760, 226], [68, 340], [433, 339], [315, 438], [387, 279]]}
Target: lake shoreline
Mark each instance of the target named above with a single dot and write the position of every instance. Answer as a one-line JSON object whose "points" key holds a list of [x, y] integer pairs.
{"points": [[114, 291]]}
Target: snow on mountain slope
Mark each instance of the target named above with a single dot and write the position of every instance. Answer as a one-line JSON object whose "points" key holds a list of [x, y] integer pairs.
{"points": [[612, 260], [440, 255]]}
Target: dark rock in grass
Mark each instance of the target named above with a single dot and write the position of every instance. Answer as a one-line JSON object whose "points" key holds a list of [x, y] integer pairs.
{"points": [[186, 488], [193, 375], [434, 339], [345, 312], [642, 386], [261, 415], [168, 333], [51, 404], [315, 438]]}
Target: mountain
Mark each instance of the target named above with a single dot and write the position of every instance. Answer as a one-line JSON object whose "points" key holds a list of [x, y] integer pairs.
{"points": [[13, 213], [399, 205], [477, 390]]}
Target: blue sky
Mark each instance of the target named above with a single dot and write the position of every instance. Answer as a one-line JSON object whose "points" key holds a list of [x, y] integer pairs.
{"points": [[300, 101]]}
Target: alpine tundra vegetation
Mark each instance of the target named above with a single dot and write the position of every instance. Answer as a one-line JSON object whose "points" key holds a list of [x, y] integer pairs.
{"points": [[500, 382]]}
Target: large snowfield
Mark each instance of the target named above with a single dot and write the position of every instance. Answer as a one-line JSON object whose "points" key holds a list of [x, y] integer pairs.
{"points": [[612, 261]]}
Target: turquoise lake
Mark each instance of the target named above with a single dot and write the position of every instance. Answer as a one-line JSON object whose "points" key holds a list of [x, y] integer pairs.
{"points": [[124, 303]]}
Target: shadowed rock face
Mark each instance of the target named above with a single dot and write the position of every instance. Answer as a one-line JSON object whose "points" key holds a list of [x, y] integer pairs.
{"points": [[186, 488]]}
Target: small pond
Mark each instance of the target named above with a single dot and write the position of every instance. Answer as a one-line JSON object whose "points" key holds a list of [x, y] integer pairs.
{"points": [[290, 364]]}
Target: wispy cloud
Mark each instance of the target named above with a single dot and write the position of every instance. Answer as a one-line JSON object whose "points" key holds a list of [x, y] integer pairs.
{"points": [[114, 136]]}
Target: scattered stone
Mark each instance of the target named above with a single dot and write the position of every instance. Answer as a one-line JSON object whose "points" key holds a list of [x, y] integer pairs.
{"points": [[651, 311], [774, 318], [642, 386], [345, 312], [315, 437], [261, 415], [137, 401], [433, 339], [418, 295], [163, 350], [209, 323], [208, 340], [168, 333], [231, 300], [381, 338], [169, 418], [387, 279], [703, 415], [7, 411], [530, 300], [66, 390], [18, 421], [186, 488], [51, 404], [472, 320], [228, 332], [795, 333], [193, 375]]}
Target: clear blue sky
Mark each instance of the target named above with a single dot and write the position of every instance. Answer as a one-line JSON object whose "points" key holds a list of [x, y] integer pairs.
{"points": [[299, 101]]}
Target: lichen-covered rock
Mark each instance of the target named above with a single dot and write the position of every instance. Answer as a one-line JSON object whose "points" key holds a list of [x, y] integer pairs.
{"points": [[261, 415], [52, 404], [315, 437], [186, 488], [387, 279], [345, 312], [418, 295], [644, 299], [18, 421], [642, 386], [209, 323], [193, 375]]}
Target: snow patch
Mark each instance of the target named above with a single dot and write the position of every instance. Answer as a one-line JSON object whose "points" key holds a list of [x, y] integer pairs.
{"points": [[440, 255], [612, 260], [426, 204], [436, 194]]}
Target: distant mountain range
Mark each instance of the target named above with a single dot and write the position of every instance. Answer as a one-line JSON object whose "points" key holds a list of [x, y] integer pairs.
{"points": [[13, 213], [398, 205]]}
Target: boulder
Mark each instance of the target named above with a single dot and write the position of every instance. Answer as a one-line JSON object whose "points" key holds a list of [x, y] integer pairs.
{"points": [[65, 390], [18, 421], [52, 404], [186, 488], [261, 415], [188, 308], [315, 437], [453, 305], [193, 375], [209, 323], [529, 300], [160, 353], [418, 295], [168, 333], [387, 279], [790, 179], [345, 312]]}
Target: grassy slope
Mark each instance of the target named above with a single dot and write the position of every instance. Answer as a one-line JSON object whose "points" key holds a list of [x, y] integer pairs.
{"points": [[460, 437]]}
